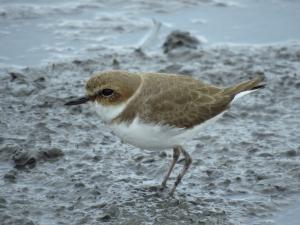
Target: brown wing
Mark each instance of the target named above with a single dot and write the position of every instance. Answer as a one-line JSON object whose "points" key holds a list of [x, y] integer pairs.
{"points": [[184, 103], [178, 101]]}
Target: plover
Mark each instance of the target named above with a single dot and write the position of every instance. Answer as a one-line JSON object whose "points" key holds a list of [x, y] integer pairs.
{"points": [[159, 111]]}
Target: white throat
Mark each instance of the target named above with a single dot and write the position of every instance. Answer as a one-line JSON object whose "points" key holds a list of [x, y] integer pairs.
{"points": [[107, 113]]}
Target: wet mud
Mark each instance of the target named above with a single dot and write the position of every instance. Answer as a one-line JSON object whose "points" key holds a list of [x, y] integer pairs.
{"points": [[61, 165]]}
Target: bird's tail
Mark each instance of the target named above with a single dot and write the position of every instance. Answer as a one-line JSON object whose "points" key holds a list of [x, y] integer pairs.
{"points": [[246, 86]]}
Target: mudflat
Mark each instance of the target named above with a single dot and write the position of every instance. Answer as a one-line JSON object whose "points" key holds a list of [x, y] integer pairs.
{"points": [[61, 165]]}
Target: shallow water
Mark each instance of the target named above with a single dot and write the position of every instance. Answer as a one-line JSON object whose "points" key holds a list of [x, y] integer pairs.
{"points": [[61, 165], [35, 32]]}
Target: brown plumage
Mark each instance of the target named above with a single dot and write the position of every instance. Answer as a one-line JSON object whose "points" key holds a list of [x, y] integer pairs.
{"points": [[178, 100]]}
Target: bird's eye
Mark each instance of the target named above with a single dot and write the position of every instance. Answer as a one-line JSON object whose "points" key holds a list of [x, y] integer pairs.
{"points": [[107, 92]]}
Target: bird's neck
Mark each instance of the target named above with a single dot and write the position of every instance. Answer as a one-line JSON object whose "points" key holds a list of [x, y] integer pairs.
{"points": [[108, 112]]}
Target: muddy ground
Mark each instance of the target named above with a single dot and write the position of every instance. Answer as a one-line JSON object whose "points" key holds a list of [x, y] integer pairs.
{"points": [[71, 170], [61, 165]]}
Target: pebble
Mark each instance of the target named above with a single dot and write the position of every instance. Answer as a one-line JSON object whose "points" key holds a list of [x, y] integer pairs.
{"points": [[259, 177], [17, 76], [162, 154], [2, 200], [105, 218], [79, 185], [150, 160], [179, 39], [138, 158], [53, 153], [291, 153], [22, 158], [11, 176]]}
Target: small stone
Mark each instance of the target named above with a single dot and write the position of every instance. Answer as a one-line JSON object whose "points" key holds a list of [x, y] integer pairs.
{"points": [[31, 162], [77, 62], [25, 189], [95, 192], [115, 64], [179, 39], [209, 172], [259, 177], [79, 185], [11, 176], [227, 182], [291, 153], [280, 188], [16, 76], [105, 218], [53, 153], [71, 207], [238, 179], [221, 4], [162, 154], [252, 150], [20, 157], [138, 158], [23, 158], [2, 200], [97, 158], [40, 79], [149, 160]]}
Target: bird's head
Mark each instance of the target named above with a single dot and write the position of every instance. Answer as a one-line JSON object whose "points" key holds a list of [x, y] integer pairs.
{"points": [[112, 88]]}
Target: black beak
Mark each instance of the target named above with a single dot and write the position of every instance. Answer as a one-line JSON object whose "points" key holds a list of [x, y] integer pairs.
{"points": [[78, 101]]}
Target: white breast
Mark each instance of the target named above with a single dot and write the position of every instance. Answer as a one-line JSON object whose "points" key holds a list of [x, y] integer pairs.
{"points": [[107, 113]]}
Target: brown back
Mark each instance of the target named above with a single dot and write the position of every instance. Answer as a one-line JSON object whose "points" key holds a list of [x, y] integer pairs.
{"points": [[178, 101]]}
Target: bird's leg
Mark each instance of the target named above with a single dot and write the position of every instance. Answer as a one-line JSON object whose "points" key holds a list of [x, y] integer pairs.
{"points": [[187, 163], [176, 154]]}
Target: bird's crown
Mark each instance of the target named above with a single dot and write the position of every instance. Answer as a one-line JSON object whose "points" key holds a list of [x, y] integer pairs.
{"points": [[112, 87]]}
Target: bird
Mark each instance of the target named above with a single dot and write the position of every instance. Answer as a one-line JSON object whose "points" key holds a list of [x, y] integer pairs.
{"points": [[158, 111]]}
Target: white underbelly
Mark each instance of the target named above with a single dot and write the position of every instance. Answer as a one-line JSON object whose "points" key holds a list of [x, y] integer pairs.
{"points": [[147, 136], [155, 136]]}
